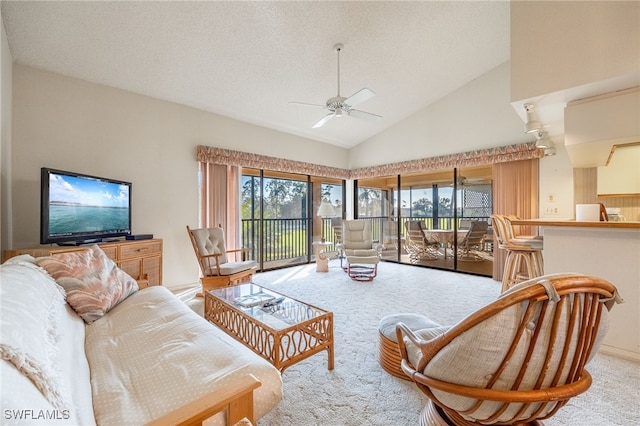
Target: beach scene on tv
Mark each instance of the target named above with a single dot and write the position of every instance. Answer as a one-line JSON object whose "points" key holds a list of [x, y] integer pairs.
{"points": [[78, 204]]}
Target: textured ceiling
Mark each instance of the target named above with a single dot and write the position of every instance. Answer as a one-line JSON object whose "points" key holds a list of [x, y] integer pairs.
{"points": [[247, 60]]}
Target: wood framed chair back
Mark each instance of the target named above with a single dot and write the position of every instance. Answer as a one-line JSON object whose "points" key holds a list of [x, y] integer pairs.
{"points": [[518, 360], [604, 217]]}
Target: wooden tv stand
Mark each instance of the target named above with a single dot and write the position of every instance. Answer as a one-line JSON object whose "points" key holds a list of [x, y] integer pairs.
{"points": [[140, 259]]}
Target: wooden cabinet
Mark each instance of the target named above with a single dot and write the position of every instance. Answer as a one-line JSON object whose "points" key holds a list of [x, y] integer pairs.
{"points": [[139, 259]]}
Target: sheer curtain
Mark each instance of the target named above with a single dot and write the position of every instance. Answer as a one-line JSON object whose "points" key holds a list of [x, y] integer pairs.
{"points": [[220, 198], [515, 192]]}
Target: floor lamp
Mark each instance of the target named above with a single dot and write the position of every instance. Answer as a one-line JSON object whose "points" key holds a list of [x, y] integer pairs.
{"points": [[325, 211]]}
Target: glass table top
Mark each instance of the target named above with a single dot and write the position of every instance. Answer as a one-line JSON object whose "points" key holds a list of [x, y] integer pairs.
{"points": [[273, 309]]}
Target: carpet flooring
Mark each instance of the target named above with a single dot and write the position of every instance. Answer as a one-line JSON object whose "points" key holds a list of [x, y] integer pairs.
{"points": [[359, 392]]}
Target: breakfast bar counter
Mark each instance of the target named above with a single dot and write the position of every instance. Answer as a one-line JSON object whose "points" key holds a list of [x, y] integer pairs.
{"points": [[610, 250], [574, 224]]}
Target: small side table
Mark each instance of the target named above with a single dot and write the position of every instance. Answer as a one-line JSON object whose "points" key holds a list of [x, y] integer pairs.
{"points": [[322, 262]]}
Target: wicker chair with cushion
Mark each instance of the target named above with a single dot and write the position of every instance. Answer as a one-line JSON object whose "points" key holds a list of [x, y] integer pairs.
{"points": [[213, 257], [515, 361], [473, 242], [417, 244], [358, 250]]}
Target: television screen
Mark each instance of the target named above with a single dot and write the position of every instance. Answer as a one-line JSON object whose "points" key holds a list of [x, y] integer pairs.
{"points": [[78, 208]]}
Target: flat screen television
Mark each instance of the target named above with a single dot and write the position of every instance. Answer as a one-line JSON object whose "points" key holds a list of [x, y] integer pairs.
{"points": [[80, 209]]}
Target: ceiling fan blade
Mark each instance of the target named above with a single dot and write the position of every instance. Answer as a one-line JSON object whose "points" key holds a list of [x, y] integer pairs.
{"points": [[364, 115], [324, 120], [360, 96], [306, 104]]}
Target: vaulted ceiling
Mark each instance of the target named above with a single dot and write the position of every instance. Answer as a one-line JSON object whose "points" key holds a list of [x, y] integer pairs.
{"points": [[248, 60]]}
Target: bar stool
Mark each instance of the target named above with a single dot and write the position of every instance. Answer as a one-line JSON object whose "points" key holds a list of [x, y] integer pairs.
{"points": [[524, 255]]}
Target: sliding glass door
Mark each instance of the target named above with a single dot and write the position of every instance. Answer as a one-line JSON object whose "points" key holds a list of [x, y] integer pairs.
{"points": [[424, 218], [279, 215]]}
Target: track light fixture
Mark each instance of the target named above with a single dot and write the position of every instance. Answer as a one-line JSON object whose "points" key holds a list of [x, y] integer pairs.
{"points": [[532, 125], [542, 141], [551, 150]]}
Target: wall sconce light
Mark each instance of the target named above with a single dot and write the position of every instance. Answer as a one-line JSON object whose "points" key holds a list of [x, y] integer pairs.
{"points": [[532, 125]]}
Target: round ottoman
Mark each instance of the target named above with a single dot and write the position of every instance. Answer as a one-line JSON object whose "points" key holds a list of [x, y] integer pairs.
{"points": [[389, 355]]}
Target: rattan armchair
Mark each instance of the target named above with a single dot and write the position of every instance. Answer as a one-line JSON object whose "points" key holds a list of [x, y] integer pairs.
{"points": [[516, 361]]}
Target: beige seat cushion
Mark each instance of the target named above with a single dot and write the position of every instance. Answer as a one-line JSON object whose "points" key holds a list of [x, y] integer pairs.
{"points": [[387, 325]]}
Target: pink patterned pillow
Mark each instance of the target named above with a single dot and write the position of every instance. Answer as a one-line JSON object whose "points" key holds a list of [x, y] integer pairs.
{"points": [[93, 282]]}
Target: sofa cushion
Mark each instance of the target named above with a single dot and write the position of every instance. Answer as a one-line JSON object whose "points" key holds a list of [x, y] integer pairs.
{"points": [[93, 282], [152, 354], [42, 342]]}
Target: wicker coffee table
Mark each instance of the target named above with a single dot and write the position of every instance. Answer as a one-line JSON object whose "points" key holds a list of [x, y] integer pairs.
{"points": [[280, 329]]}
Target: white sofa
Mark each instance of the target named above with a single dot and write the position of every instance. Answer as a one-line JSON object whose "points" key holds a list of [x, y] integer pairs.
{"points": [[149, 358]]}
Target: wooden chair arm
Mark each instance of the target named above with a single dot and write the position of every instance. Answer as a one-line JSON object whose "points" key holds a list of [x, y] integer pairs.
{"points": [[556, 393], [216, 255], [401, 330], [244, 251], [239, 249], [236, 398], [205, 262], [428, 347]]}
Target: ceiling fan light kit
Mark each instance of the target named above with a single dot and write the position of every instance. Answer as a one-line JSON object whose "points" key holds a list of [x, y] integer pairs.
{"points": [[338, 105]]}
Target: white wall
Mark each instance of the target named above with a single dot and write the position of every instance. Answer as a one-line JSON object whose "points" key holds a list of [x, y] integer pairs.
{"points": [[6, 80], [75, 125], [556, 184], [564, 44], [476, 116]]}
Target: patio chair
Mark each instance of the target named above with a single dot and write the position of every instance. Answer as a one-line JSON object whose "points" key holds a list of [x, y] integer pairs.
{"points": [[473, 242], [515, 361], [213, 258], [358, 250], [417, 244]]}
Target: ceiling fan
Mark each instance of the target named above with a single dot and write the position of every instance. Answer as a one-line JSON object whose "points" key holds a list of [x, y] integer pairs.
{"points": [[463, 180], [339, 105]]}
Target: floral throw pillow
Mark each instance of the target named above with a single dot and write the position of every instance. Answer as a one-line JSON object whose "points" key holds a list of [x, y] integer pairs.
{"points": [[93, 282]]}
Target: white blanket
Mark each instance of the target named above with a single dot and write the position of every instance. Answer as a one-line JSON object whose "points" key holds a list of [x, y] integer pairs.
{"points": [[152, 354]]}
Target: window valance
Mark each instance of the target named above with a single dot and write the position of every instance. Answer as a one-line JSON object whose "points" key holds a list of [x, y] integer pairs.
{"points": [[525, 151], [208, 154], [503, 154]]}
